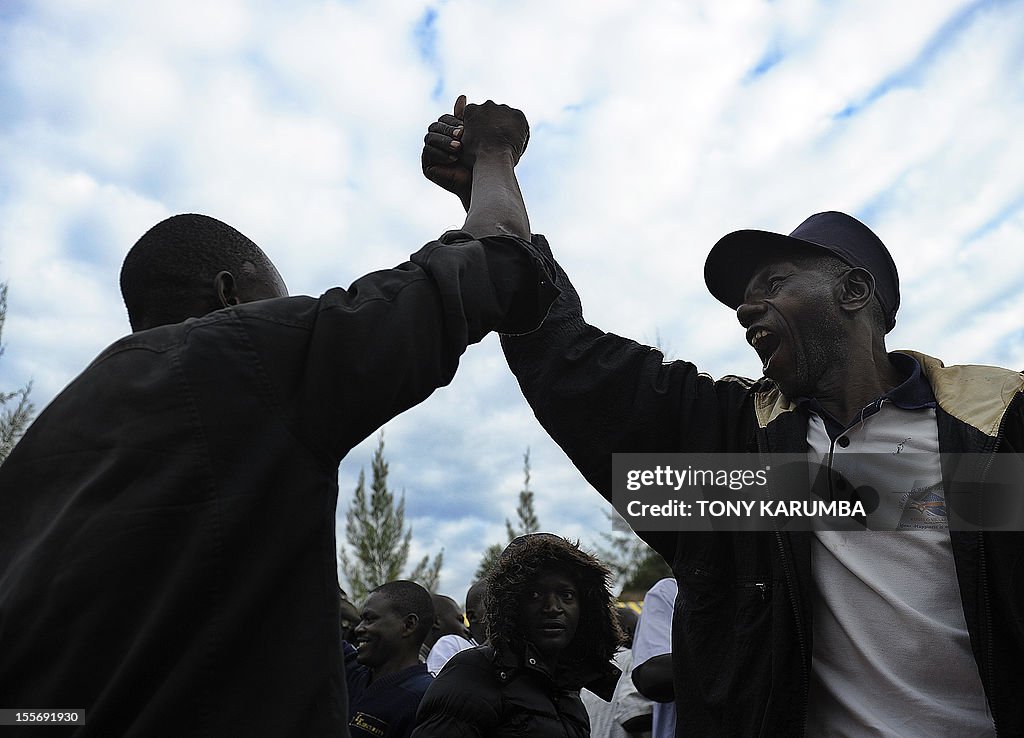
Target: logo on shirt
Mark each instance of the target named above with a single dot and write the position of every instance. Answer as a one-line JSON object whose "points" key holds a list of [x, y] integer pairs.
{"points": [[368, 723], [925, 509]]}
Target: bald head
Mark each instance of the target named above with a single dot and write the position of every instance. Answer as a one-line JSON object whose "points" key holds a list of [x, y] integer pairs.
{"points": [[189, 265]]}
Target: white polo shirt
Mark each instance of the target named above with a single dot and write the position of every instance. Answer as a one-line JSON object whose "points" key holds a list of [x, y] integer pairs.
{"points": [[891, 653]]}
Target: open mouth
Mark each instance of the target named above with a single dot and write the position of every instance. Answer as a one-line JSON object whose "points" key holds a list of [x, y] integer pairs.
{"points": [[765, 343]]}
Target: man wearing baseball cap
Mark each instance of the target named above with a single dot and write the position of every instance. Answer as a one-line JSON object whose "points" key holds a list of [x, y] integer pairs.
{"points": [[916, 631]]}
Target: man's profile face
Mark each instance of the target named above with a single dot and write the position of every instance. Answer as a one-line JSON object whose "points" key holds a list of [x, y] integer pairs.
{"points": [[449, 618], [475, 612], [792, 322], [550, 612], [379, 632]]}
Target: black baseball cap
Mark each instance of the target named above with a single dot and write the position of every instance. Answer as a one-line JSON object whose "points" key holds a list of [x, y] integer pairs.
{"points": [[732, 261]]}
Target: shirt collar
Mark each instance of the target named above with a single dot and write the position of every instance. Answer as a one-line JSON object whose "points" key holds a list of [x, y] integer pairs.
{"points": [[913, 393]]}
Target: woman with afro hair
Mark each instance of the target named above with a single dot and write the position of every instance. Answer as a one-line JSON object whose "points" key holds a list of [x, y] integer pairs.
{"points": [[551, 629]]}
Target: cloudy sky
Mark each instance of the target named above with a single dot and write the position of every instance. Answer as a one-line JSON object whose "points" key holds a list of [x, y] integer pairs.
{"points": [[656, 128]]}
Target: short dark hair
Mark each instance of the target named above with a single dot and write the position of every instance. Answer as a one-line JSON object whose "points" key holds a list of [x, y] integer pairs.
{"points": [[180, 256], [477, 591], [407, 598], [440, 600]]}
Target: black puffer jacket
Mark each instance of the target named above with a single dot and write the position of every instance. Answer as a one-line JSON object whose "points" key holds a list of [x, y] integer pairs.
{"points": [[504, 688]]}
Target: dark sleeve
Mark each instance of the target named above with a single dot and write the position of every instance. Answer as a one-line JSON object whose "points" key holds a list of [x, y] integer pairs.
{"points": [[341, 366], [598, 394], [464, 701], [354, 671]]}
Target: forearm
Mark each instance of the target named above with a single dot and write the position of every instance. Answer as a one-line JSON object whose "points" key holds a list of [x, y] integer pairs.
{"points": [[496, 204], [653, 678]]}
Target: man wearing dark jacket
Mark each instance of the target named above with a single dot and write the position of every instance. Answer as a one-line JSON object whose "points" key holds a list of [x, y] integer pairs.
{"points": [[552, 630], [167, 551], [914, 632]]}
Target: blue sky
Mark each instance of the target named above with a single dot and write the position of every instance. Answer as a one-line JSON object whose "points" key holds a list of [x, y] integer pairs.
{"points": [[656, 129]]}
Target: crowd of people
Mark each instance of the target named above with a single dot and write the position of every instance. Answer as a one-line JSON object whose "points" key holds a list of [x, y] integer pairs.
{"points": [[167, 530], [551, 657]]}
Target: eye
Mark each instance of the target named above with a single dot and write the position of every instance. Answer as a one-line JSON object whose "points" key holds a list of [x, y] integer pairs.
{"points": [[568, 595], [774, 284]]}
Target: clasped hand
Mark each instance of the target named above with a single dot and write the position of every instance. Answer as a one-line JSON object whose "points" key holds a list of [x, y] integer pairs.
{"points": [[453, 143]]}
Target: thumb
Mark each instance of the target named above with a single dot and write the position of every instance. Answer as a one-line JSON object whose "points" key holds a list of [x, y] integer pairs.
{"points": [[460, 106]]}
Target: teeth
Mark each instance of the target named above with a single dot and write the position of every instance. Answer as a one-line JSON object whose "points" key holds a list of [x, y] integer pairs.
{"points": [[758, 336]]}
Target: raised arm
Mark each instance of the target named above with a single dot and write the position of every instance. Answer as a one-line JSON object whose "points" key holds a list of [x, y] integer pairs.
{"points": [[361, 355], [598, 394], [594, 392], [582, 418]]}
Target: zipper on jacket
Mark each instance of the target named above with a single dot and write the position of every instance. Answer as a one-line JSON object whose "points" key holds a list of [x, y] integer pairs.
{"points": [[986, 597], [790, 576], [791, 587], [989, 639]]}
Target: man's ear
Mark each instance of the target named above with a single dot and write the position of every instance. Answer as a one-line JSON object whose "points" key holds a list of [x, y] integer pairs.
{"points": [[409, 624], [856, 289], [226, 289]]}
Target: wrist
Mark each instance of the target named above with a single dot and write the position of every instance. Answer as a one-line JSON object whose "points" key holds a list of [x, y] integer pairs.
{"points": [[494, 155]]}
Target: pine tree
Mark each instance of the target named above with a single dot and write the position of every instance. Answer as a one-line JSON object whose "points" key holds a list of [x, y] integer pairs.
{"points": [[527, 523], [427, 572], [17, 409], [488, 560], [378, 538], [635, 565]]}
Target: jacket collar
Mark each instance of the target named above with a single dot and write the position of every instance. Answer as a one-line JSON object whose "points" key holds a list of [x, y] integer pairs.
{"points": [[525, 658], [976, 395]]}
